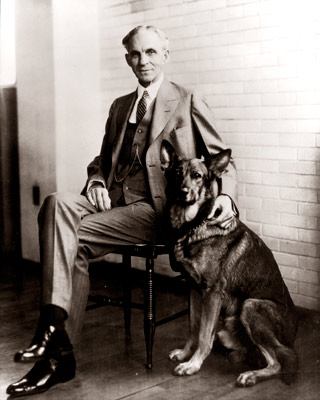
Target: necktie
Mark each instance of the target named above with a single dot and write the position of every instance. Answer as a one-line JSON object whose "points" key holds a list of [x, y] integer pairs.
{"points": [[142, 106]]}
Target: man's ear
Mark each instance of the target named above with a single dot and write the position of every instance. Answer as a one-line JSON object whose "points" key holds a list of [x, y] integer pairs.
{"points": [[167, 155], [219, 162], [128, 59]]}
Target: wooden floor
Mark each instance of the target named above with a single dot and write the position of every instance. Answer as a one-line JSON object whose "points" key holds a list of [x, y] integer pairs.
{"points": [[109, 368]]}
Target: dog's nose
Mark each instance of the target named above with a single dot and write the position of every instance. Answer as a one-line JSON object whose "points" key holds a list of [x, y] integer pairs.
{"points": [[184, 192]]}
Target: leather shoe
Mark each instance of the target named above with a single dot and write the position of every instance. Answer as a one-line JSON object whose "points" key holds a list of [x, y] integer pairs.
{"points": [[51, 342], [44, 374]]}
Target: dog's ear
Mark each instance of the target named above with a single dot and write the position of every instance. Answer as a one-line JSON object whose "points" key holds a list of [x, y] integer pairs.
{"points": [[219, 162], [167, 155]]}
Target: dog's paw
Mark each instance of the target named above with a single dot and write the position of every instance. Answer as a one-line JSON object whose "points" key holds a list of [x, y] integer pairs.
{"points": [[248, 378], [187, 368], [177, 355]]}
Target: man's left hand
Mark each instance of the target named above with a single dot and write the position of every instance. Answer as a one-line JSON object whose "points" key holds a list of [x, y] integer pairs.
{"points": [[223, 210]]}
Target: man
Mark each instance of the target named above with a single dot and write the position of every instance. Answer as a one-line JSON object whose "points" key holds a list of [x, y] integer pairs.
{"points": [[123, 202]]}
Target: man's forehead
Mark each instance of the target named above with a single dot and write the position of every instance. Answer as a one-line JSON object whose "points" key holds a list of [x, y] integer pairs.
{"points": [[144, 38]]}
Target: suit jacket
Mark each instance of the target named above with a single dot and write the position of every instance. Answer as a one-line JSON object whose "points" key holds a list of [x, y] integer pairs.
{"points": [[181, 117]]}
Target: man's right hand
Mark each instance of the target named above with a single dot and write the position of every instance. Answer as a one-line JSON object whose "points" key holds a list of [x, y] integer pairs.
{"points": [[98, 196]]}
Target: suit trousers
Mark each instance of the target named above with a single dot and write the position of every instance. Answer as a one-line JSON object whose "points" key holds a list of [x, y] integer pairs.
{"points": [[71, 232]]}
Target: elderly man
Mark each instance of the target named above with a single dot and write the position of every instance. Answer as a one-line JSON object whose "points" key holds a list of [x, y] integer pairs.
{"points": [[122, 203]]}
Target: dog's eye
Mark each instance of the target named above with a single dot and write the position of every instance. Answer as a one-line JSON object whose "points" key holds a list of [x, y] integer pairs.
{"points": [[196, 175]]}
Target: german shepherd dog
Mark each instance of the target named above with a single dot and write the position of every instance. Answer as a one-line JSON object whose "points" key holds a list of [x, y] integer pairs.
{"points": [[239, 294]]}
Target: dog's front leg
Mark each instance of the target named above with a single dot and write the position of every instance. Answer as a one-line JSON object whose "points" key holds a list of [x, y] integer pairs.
{"points": [[210, 311], [194, 322]]}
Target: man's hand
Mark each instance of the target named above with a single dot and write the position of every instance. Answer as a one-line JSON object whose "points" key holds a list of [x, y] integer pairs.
{"points": [[223, 210], [98, 196]]}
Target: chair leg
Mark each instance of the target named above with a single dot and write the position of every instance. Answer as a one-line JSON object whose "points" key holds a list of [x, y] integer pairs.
{"points": [[126, 259], [149, 311]]}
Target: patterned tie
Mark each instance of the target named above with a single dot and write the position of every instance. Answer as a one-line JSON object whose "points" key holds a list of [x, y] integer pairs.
{"points": [[142, 106]]}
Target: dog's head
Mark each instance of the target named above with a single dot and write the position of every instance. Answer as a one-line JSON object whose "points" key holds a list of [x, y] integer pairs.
{"points": [[190, 181]]}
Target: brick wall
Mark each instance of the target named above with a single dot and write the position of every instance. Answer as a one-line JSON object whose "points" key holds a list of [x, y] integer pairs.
{"points": [[257, 63]]}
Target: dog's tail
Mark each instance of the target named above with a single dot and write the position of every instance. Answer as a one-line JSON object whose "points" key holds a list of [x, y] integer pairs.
{"points": [[289, 361]]}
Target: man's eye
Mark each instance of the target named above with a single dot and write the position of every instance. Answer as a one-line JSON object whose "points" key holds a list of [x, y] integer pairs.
{"points": [[150, 52]]}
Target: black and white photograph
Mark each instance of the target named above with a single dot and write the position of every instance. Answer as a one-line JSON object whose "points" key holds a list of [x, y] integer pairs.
{"points": [[159, 199]]}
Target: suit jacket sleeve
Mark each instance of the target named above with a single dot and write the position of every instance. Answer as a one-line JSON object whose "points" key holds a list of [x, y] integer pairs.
{"points": [[96, 169], [202, 120]]}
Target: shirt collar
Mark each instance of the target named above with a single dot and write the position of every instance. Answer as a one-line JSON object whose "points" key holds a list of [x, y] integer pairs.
{"points": [[151, 89]]}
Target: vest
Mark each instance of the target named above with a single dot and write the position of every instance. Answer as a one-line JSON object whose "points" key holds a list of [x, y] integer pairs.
{"points": [[130, 183]]}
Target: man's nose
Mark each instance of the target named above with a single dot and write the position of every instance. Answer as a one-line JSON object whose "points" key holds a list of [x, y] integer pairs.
{"points": [[143, 59]]}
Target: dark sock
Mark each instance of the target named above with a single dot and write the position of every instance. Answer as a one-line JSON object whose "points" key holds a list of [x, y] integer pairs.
{"points": [[50, 315]]}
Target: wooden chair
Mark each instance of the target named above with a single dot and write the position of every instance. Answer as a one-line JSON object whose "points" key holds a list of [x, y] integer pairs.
{"points": [[149, 253]]}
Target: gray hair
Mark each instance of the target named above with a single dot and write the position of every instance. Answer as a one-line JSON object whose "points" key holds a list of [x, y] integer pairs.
{"points": [[162, 36]]}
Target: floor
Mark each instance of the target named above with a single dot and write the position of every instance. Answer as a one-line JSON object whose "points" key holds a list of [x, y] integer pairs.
{"points": [[110, 367]]}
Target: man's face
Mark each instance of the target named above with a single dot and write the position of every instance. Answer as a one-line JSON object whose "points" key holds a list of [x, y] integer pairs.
{"points": [[146, 56]]}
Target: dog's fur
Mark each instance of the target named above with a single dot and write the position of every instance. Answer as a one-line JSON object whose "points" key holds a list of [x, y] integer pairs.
{"points": [[238, 282]]}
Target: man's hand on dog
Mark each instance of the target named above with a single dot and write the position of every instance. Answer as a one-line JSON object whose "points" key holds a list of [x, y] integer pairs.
{"points": [[222, 212], [98, 196]]}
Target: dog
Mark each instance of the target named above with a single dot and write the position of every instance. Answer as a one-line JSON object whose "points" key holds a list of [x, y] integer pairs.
{"points": [[239, 294]]}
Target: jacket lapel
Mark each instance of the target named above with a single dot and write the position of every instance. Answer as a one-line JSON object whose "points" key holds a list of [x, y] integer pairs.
{"points": [[165, 105], [122, 118]]}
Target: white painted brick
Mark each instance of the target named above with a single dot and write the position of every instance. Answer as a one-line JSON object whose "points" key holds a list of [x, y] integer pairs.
{"points": [[299, 221], [228, 63], [298, 248], [209, 4], [235, 139], [280, 205], [300, 275], [289, 260], [288, 126], [255, 227], [291, 285], [262, 165], [311, 97], [288, 84], [244, 100], [196, 42], [244, 49], [265, 217], [297, 167], [251, 9], [281, 232], [241, 189], [309, 263], [284, 180], [309, 154], [261, 113], [227, 13], [278, 72], [309, 236], [261, 86], [212, 52], [210, 28], [297, 139], [305, 302], [278, 99], [249, 177], [247, 151], [272, 243], [196, 18], [309, 125], [308, 195], [184, 55], [228, 113], [245, 126], [299, 112], [241, 24], [307, 289], [279, 153], [309, 209], [227, 38], [237, 2], [227, 88], [261, 139], [261, 60], [183, 8], [269, 192], [276, 46], [250, 203], [309, 181]]}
